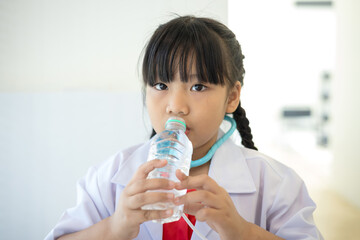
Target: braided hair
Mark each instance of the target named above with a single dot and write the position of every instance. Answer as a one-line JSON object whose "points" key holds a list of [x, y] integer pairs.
{"points": [[219, 59], [243, 126]]}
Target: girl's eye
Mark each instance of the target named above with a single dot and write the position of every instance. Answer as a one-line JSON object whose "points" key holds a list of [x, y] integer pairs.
{"points": [[160, 86], [198, 88]]}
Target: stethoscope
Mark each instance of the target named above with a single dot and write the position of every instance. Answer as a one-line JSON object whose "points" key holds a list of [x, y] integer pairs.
{"points": [[217, 144]]}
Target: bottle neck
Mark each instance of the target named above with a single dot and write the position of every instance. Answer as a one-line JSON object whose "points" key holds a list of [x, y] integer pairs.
{"points": [[175, 126]]}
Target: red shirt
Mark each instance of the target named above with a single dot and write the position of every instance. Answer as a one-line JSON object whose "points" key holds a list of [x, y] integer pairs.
{"points": [[179, 230]]}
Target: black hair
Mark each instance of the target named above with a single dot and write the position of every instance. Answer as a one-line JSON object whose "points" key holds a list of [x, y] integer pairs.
{"points": [[213, 47]]}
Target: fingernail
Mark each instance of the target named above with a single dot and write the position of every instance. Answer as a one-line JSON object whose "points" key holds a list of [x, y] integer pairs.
{"points": [[168, 212]]}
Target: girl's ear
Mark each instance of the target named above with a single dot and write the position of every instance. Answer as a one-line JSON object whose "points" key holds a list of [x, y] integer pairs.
{"points": [[233, 98]]}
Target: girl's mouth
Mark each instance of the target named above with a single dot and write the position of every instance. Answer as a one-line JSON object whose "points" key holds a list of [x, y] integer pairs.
{"points": [[187, 131]]}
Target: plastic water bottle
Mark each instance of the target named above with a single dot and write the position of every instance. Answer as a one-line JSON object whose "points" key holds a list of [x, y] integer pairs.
{"points": [[173, 145]]}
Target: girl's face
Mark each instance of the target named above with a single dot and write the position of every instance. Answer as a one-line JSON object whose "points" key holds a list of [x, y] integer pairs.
{"points": [[201, 105]]}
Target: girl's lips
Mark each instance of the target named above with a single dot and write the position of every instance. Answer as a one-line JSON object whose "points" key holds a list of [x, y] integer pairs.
{"points": [[187, 131]]}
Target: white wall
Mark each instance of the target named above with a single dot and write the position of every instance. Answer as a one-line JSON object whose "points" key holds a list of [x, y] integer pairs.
{"points": [[83, 45], [69, 90], [47, 142], [346, 111], [287, 48]]}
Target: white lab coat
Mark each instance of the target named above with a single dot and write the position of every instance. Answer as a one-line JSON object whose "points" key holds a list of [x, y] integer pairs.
{"points": [[264, 191]]}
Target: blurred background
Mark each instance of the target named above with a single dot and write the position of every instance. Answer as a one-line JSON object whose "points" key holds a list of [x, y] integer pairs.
{"points": [[70, 97]]}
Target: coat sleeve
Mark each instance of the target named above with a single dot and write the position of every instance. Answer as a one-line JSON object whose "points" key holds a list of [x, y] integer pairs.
{"points": [[89, 209], [291, 214]]}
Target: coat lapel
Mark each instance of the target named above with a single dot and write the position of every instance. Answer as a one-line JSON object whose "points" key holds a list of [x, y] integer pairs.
{"points": [[229, 169], [154, 229]]}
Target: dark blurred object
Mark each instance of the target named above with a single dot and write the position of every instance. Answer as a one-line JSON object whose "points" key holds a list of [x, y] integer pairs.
{"points": [[324, 110], [295, 113], [297, 118], [314, 3]]}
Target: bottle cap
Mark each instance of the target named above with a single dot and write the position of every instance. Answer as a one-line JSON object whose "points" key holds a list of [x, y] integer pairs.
{"points": [[176, 119]]}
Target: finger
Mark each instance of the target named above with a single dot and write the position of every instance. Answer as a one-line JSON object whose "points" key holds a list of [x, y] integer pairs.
{"points": [[144, 185], [205, 198], [202, 182], [180, 175], [147, 215], [139, 200], [207, 214], [147, 167], [193, 208]]}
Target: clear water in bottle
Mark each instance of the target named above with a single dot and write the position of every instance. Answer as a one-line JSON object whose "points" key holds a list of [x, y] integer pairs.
{"points": [[173, 145]]}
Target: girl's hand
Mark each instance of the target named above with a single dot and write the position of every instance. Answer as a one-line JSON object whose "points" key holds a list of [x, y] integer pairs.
{"points": [[211, 203], [125, 223]]}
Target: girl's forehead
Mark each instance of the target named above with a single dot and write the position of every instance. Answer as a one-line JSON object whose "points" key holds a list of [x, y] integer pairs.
{"points": [[185, 55]]}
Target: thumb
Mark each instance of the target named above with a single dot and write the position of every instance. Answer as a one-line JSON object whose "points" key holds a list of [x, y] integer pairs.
{"points": [[183, 179]]}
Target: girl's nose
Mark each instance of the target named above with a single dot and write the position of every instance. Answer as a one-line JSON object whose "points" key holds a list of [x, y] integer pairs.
{"points": [[177, 104]]}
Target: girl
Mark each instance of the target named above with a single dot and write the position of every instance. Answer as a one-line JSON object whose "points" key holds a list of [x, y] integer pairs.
{"points": [[193, 69]]}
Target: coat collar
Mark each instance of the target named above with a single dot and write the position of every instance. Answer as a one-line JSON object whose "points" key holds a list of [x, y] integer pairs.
{"points": [[228, 168], [130, 163]]}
